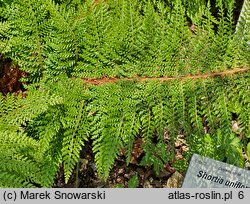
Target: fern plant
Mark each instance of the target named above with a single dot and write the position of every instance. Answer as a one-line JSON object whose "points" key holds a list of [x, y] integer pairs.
{"points": [[51, 134], [60, 41], [242, 30], [21, 161], [109, 38]]}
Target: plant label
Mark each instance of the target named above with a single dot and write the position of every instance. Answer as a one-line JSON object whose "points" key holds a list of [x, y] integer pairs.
{"points": [[204, 172]]}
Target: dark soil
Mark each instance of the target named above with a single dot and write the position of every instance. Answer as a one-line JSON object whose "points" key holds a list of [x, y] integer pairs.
{"points": [[119, 175]]}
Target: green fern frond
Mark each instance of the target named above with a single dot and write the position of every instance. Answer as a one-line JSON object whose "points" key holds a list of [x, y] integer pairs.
{"points": [[19, 165]]}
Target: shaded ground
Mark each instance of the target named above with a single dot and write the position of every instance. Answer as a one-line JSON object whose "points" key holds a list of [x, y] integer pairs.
{"points": [[122, 174]]}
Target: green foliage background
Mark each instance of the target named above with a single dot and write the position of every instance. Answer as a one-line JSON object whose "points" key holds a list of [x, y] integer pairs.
{"points": [[58, 42]]}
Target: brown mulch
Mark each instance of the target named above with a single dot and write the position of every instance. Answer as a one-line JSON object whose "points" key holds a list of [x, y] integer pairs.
{"points": [[10, 76]]}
